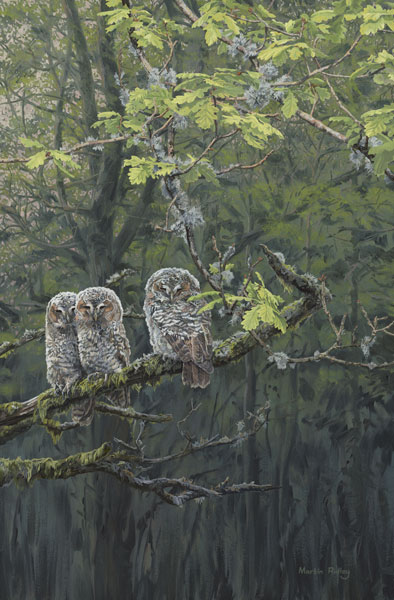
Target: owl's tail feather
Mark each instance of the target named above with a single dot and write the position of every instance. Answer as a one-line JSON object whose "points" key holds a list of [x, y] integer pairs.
{"points": [[83, 412], [194, 376]]}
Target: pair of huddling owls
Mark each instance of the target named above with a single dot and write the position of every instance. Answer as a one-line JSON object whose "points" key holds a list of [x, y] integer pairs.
{"points": [[85, 334]]}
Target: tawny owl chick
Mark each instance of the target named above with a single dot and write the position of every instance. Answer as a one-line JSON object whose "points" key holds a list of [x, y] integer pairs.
{"points": [[62, 356], [102, 342], [175, 327]]}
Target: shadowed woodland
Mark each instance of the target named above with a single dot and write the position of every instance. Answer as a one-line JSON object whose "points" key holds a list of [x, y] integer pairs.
{"points": [[250, 143]]}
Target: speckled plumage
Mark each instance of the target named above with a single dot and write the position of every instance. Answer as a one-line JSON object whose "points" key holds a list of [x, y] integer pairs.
{"points": [[61, 350], [102, 342], [175, 327]]}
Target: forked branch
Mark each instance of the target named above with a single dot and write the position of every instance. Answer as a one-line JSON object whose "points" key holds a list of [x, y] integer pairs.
{"points": [[171, 490]]}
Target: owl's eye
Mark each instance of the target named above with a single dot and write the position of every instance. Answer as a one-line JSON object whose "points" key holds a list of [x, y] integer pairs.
{"points": [[84, 306], [72, 308], [184, 288], [58, 310], [161, 288], [105, 306]]}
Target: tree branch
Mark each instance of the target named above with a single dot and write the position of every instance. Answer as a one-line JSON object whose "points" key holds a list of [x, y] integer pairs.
{"points": [[72, 150], [304, 283], [241, 166], [28, 336], [104, 460], [320, 125]]}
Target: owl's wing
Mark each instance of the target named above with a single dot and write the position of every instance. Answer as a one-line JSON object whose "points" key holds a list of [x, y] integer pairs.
{"points": [[196, 349], [191, 338], [121, 343]]}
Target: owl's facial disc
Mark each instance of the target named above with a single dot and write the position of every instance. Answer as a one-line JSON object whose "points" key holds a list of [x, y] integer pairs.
{"points": [[56, 314], [163, 290], [85, 309], [181, 291], [104, 310]]}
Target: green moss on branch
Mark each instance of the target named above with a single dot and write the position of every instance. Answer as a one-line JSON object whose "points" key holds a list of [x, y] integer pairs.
{"points": [[24, 471]]}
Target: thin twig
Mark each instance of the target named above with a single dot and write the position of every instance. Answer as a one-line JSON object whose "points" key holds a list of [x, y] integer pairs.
{"points": [[214, 140], [241, 166]]}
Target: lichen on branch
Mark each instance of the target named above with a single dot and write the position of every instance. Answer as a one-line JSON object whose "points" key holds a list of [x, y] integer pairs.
{"points": [[119, 465]]}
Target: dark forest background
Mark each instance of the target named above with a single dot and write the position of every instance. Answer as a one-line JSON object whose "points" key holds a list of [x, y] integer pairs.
{"points": [[328, 442]]}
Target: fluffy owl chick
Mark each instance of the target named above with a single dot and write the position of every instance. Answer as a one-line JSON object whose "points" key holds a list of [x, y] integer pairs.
{"points": [[102, 342], [175, 327], [61, 349]]}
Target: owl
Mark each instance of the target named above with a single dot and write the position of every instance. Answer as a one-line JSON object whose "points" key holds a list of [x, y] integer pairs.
{"points": [[175, 327], [102, 342], [61, 349]]}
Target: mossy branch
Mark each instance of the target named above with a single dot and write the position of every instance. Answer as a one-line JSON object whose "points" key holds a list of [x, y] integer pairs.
{"points": [[306, 284], [118, 464], [29, 336]]}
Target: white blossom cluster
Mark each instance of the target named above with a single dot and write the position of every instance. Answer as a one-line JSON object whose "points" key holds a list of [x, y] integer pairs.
{"points": [[311, 279], [124, 96], [359, 159], [124, 93], [118, 80], [366, 344], [236, 316], [261, 96], [191, 217], [158, 147], [240, 440], [222, 312], [117, 276], [281, 257], [161, 78], [225, 276], [268, 71], [184, 211], [132, 51], [179, 122], [29, 334], [280, 358], [241, 40], [228, 254], [98, 147]]}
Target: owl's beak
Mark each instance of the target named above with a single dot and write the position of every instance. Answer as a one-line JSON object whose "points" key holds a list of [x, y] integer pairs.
{"points": [[172, 296], [95, 314]]}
